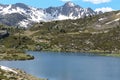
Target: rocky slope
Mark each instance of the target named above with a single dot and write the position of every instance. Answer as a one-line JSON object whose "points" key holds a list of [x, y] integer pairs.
{"points": [[97, 33], [20, 14], [92, 33], [7, 73]]}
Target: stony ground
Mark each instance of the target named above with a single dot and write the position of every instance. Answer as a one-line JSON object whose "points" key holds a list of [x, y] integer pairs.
{"points": [[20, 75]]}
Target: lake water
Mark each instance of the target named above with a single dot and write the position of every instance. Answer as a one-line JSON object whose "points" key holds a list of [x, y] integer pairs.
{"points": [[70, 66]]}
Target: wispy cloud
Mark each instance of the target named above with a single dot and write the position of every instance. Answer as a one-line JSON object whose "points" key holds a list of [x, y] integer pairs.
{"points": [[66, 0], [97, 1], [104, 9]]}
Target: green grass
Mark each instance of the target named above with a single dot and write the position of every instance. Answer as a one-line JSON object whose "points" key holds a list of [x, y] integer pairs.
{"points": [[12, 54], [78, 35], [110, 55]]}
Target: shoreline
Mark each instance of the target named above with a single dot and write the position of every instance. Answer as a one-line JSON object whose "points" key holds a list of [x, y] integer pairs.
{"points": [[14, 55], [93, 53], [7, 73]]}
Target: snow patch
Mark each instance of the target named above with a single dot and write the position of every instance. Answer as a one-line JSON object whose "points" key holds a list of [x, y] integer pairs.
{"points": [[6, 10], [24, 23], [7, 69], [117, 19], [118, 14], [71, 4], [62, 17], [10, 11], [113, 21], [101, 19]]}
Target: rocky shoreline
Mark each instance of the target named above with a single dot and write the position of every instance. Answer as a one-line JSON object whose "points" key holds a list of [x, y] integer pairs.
{"points": [[12, 54], [7, 73]]}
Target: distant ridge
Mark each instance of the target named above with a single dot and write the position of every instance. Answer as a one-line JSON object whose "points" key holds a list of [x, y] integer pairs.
{"points": [[20, 14]]}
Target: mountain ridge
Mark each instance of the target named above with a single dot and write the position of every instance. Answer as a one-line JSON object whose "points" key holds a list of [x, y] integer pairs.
{"points": [[32, 15]]}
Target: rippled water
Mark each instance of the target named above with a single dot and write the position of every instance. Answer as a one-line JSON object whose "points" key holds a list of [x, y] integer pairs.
{"points": [[70, 66]]}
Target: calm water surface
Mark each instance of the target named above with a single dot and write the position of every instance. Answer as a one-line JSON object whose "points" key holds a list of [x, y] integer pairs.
{"points": [[61, 66]]}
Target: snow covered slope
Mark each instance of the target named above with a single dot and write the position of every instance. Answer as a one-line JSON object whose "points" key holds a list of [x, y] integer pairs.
{"points": [[20, 14]]}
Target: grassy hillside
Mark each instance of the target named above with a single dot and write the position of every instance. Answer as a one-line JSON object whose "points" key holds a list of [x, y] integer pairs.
{"points": [[12, 45], [90, 34], [98, 33]]}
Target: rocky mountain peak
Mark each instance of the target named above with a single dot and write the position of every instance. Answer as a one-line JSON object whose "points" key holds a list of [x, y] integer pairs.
{"points": [[21, 5], [29, 15], [69, 4]]}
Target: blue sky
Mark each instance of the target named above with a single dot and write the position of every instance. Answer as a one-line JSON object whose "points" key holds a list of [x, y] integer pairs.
{"points": [[99, 4]]}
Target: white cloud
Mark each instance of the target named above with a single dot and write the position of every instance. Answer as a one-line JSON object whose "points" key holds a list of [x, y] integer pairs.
{"points": [[104, 9], [65, 0], [97, 1]]}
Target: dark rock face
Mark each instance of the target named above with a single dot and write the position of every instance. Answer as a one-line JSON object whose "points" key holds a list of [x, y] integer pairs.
{"points": [[21, 5], [11, 19], [3, 34]]}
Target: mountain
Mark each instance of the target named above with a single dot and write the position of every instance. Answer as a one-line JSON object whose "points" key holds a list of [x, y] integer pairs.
{"points": [[69, 11], [95, 33], [99, 33], [20, 14]]}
